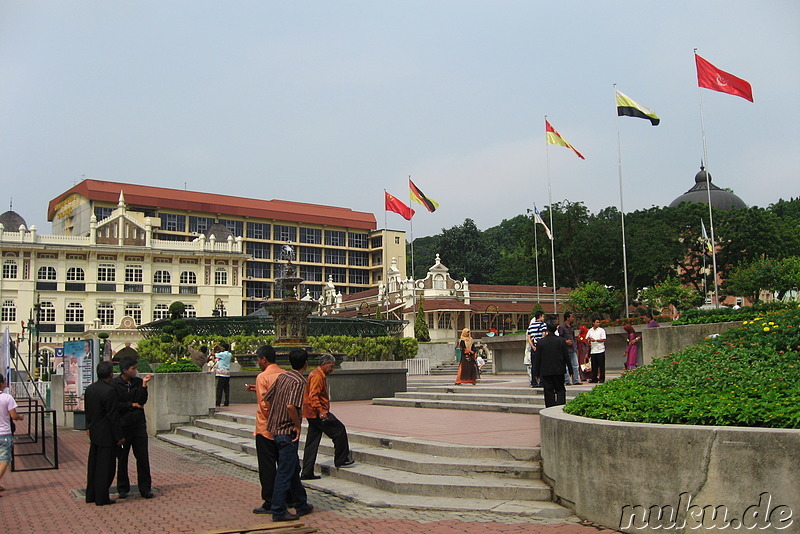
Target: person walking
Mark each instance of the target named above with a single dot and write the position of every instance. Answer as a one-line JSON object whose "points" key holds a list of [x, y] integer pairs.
{"points": [[266, 449], [597, 351], [8, 414], [535, 331], [222, 371], [285, 399], [632, 349], [583, 353], [567, 332], [317, 411], [105, 434], [132, 393], [467, 367], [550, 361]]}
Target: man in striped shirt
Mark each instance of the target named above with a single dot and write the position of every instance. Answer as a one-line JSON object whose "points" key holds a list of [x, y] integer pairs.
{"points": [[285, 399], [536, 330]]}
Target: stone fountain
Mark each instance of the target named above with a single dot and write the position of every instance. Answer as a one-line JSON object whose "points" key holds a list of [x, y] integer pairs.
{"points": [[290, 314]]}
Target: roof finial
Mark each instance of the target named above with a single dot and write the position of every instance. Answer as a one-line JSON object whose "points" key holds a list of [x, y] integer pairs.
{"points": [[121, 202]]}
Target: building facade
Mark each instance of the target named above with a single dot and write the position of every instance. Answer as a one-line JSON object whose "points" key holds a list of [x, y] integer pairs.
{"points": [[331, 244]]}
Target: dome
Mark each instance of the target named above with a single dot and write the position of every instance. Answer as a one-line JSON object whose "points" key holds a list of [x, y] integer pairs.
{"points": [[720, 198], [219, 231], [11, 221]]}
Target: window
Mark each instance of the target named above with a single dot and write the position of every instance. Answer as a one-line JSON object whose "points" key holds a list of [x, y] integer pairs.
{"points": [[134, 310], [335, 238], [161, 277], [337, 274], [106, 272], [46, 273], [188, 278], [258, 250], [311, 273], [358, 240], [105, 312], [335, 256], [47, 312], [311, 235], [171, 237], [359, 276], [173, 222], [160, 311], [376, 242], [75, 274], [257, 269], [9, 311], [200, 225], [285, 233], [397, 240], [133, 273], [258, 290], [438, 282], [74, 313], [444, 321], [359, 259], [221, 276], [311, 254], [190, 311], [102, 213], [258, 230], [236, 227], [9, 268]]}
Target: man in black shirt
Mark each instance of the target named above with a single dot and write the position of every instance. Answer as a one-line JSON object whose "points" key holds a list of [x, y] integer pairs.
{"points": [[132, 393], [105, 435], [550, 361]]}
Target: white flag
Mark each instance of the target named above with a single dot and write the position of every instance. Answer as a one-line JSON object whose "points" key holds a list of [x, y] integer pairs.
{"points": [[538, 218]]}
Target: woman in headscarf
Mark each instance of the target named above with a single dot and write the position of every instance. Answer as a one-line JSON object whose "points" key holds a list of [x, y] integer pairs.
{"points": [[583, 352], [632, 350], [467, 369]]}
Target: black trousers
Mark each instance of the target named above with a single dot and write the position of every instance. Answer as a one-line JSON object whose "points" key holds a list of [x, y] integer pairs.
{"points": [[334, 429], [136, 439], [100, 473], [267, 454], [555, 394], [223, 386], [599, 367]]}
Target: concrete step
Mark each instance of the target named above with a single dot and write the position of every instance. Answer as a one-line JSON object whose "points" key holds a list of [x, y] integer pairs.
{"points": [[536, 400], [492, 389], [529, 409]]}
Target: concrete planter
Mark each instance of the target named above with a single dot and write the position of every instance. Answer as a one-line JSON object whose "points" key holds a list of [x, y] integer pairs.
{"points": [[176, 398], [603, 470]]}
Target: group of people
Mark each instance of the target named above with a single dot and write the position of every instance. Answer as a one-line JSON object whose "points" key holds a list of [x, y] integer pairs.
{"points": [[116, 424], [284, 399]]}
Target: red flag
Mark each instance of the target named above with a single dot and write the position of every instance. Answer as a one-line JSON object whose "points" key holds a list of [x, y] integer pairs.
{"points": [[711, 77], [392, 204]]}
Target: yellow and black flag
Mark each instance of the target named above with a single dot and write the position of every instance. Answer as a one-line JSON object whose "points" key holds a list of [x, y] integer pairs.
{"points": [[420, 198], [628, 107]]}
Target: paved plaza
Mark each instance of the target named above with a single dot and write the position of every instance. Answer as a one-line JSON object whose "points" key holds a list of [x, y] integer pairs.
{"points": [[196, 493]]}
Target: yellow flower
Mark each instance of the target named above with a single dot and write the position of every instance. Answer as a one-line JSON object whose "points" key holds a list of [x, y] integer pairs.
{"points": [[744, 323], [770, 323], [766, 329]]}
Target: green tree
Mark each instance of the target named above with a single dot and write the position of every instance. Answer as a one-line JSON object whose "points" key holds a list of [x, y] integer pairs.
{"points": [[670, 292], [464, 251], [420, 326], [592, 298], [778, 276]]}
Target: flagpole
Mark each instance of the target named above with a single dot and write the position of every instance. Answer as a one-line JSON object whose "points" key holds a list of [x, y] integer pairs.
{"points": [[708, 191], [622, 212], [413, 283], [552, 228]]}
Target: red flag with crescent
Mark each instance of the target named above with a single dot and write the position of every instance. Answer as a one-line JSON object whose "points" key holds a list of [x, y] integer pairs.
{"points": [[710, 77]]}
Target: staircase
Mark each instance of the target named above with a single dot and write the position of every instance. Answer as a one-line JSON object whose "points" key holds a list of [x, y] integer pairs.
{"points": [[451, 369], [396, 471]]}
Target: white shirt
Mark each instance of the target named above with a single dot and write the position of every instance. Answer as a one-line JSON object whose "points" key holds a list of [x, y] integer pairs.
{"points": [[7, 403], [597, 346]]}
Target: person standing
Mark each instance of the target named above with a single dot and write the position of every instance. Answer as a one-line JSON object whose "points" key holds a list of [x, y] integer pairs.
{"points": [[597, 351], [467, 368], [222, 371], [8, 413], [105, 434], [317, 410], [550, 361], [285, 399], [632, 349], [567, 332], [132, 393], [651, 321], [266, 449], [583, 352], [536, 329]]}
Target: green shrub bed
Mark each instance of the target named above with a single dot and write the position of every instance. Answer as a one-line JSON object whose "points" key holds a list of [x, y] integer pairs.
{"points": [[724, 315], [748, 376], [183, 365]]}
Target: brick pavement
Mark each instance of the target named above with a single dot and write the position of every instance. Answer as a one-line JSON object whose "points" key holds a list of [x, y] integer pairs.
{"points": [[196, 493]]}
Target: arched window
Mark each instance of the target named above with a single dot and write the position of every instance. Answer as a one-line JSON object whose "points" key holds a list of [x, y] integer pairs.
{"points": [[105, 312], [106, 272], [46, 272], [161, 277], [160, 311], [188, 278], [221, 276], [47, 312], [75, 274], [74, 313], [134, 310], [190, 311], [438, 282]]}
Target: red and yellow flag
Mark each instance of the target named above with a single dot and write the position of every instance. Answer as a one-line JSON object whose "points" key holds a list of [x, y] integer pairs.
{"points": [[554, 138]]}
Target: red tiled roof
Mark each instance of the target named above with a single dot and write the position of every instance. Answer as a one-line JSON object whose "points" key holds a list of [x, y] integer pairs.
{"points": [[503, 306], [485, 288], [211, 203], [373, 292]]}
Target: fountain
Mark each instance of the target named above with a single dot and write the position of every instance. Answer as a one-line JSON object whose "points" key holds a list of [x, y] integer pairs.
{"points": [[289, 314]]}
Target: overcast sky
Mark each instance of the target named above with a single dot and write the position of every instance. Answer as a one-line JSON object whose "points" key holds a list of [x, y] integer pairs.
{"points": [[333, 102]]}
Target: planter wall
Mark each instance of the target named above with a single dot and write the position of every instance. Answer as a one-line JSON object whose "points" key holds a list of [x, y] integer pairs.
{"points": [[177, 398], [658, 342], [598, 468]]}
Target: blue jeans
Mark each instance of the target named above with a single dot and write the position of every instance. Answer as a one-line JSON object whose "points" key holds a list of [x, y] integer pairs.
{"points": [[576, 371], [287, 477]]}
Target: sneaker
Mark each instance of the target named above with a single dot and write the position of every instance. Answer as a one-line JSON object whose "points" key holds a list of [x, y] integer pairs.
{"points": [[285, 517], [307, 509]]}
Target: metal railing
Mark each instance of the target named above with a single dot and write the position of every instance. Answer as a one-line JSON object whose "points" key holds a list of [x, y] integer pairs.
{"points": [[418, 366]]}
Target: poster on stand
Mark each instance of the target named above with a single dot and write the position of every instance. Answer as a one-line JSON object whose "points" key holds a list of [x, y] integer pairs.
{"points": [[79, 363]]}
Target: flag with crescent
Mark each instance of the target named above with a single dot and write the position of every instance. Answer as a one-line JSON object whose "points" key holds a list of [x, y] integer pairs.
{"points": [[710, 77]]}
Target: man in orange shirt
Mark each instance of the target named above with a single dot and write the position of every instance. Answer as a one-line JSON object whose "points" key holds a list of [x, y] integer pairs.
{"points": [[266, 450], [316, 408]]}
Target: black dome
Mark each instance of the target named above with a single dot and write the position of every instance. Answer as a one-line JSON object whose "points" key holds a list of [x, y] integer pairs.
{"points": [[11, 221], [720, 199], [219, 231]]}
